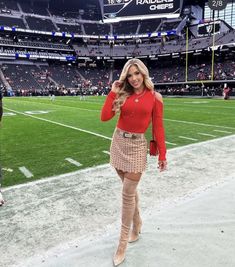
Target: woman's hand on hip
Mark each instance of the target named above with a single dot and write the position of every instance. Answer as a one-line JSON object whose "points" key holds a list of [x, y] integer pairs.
{"points": [[162, 164], [116, 86]]}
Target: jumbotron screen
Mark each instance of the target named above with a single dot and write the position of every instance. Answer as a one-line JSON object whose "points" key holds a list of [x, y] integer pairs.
{"points": [[134, 9]]}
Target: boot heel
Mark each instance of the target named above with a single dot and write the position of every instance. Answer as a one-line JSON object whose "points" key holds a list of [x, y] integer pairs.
{"points": [[134, 236]]}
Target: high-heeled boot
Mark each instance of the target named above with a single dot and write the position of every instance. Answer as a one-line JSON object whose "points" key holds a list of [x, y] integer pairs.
{"points": [[137, 222], [128, 209]]}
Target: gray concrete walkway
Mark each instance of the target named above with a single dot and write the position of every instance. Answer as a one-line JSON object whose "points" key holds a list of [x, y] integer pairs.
{"points": [[73, 220]]}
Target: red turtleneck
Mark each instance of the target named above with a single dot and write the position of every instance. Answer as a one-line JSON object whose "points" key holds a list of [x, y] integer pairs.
{"points": [[136, 115]]}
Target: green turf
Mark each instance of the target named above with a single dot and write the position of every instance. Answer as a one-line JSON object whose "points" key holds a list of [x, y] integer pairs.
{"points": [[42, 146]]}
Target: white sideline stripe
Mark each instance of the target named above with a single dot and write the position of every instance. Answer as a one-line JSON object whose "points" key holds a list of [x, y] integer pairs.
{"points": [[106, 152], [61, 124], [202, 124], [52, 178], [107, 165], [188, 138], [173, 144], [8, 114], [220, 131], [171, 104], [57, 106], [74, 162], [207, 134], [7, 169], [26, 172], [179, 121]]}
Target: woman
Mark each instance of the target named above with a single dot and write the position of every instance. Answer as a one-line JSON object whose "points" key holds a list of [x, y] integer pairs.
{"points": [[133, 96]]}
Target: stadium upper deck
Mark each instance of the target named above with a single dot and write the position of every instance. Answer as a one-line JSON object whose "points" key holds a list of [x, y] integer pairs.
{"points": [[45, 32]]}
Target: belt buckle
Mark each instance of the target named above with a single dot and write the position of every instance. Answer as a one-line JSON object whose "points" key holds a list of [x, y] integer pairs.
{"points": [[127, 135]]}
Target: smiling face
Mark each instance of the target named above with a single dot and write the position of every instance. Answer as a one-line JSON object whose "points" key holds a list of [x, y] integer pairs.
{"points": [[135, 78]]}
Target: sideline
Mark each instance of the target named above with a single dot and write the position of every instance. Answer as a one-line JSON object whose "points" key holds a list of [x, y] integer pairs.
{"points": [[99, 167]]}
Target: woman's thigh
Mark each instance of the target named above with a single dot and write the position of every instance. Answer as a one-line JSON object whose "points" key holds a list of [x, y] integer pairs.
{"points": [[129, 175]]}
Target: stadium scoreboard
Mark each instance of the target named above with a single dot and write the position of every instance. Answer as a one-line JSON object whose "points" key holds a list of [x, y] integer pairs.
{"points": [[140, 9], [208, 28]]}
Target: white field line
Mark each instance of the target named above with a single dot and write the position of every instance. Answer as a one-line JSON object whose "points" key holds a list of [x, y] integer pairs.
{"points": [[188, 138], [7, 169], [174, 104], [202, 142], [74, 162], [169, 143], [201, 124], [107, 165], [77, 100], [57, 106], [26, 172], [61, 124], [8, 114], [205, 134], [61, 176], [177, 121], [220, 131], [106, 152]]}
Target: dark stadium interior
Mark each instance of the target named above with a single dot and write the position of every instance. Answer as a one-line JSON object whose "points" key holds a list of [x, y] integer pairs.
{"points": [[65, 44]]}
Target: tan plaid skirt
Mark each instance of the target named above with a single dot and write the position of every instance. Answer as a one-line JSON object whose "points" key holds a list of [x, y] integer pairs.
{"points": [[128, 151]]}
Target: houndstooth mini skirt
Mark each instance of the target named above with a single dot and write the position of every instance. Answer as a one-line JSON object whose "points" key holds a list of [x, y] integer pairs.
{"points": [[128, 151]]}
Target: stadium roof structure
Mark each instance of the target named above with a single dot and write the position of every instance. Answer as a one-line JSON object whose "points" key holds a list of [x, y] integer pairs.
{"points": [[78, 4], [97, 7]]}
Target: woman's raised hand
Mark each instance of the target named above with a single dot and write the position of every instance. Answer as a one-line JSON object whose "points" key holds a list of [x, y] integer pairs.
{"points": [[116, 86]]}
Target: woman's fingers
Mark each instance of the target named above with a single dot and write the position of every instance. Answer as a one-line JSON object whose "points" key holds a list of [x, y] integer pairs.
{"points": [[162, 164], [116, 86]]}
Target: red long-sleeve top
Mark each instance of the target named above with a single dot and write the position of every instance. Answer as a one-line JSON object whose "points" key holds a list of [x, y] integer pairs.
{"points": [[135, 117]]}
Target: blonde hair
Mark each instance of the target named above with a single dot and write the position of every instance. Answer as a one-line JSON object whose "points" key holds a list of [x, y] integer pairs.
{"points": [[126, 89]]}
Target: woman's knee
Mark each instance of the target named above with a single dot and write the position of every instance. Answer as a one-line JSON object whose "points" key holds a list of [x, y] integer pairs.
{"points": [[133, 176]]}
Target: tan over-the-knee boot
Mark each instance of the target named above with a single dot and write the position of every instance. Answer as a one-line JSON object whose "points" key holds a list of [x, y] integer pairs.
{"points": [[128, 209], [137, 222]]}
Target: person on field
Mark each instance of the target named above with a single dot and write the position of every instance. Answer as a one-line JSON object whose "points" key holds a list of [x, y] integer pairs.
{"points": [[133, 97], [226, 92]]}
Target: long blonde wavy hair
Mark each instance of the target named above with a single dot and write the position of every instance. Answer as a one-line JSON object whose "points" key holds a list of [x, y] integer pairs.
{"points": [[126, 89]]}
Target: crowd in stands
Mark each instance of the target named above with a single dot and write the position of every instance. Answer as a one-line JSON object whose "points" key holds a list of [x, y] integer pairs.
{"points": [[70, 79], [60, 79], [63, 79], [196, 72]]}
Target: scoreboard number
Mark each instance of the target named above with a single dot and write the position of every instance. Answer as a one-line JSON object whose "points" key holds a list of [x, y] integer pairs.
{"points": [[217, 4]]}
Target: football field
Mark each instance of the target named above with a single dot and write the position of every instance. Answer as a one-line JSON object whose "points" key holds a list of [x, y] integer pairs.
{"points": [[41, 138]]}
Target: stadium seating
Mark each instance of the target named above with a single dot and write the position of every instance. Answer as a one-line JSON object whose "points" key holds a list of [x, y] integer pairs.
{"points": [[33, 9], [58, 55], [147, 26], [63, 75], [12, 22], [96, 29], [125, 28], [70, 28], [10, 5], [24, 77], [40, 24]]}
